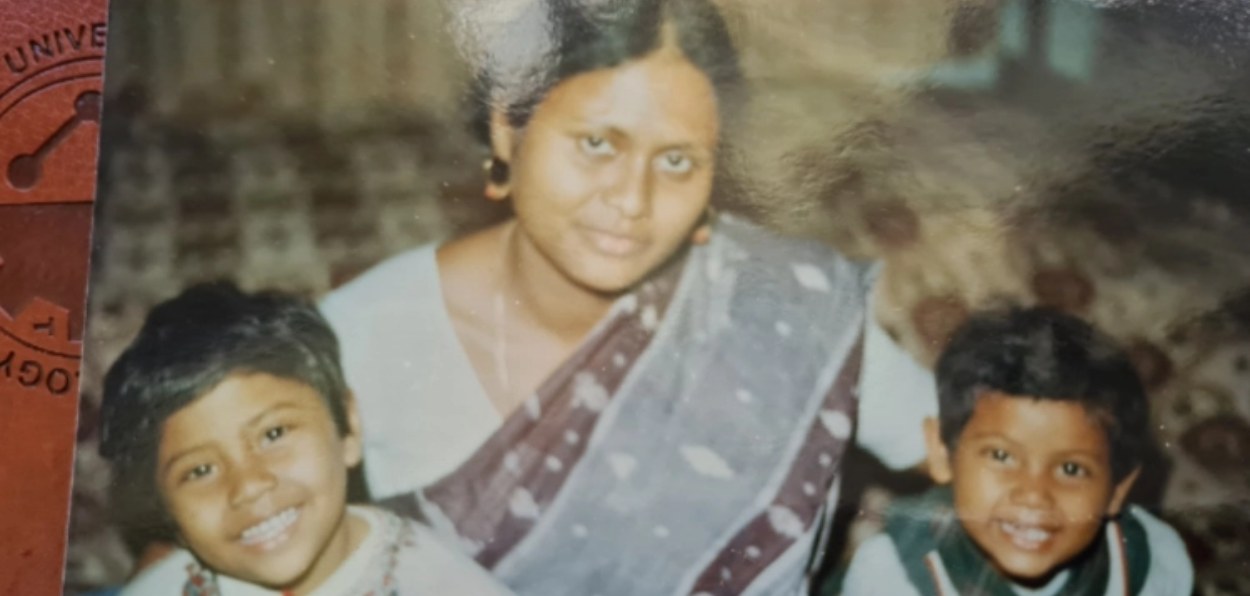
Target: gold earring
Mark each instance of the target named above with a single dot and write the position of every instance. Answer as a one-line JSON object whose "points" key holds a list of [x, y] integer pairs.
{"points": [[497, 174]]}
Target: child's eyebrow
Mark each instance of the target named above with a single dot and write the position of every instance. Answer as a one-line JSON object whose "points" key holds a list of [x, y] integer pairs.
{"points": [[278, 407], [1085, 453], [293, 404], [994, 435]]}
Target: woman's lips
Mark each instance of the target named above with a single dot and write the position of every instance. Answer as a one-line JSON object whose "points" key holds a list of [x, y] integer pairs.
{"points": [[611, 244]]}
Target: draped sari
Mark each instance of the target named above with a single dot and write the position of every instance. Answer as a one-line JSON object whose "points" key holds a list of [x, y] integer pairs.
{"points": [[691, 445]]}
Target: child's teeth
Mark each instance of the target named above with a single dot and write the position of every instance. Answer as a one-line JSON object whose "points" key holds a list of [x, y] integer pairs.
{"points": [[270, 528], [1028, 536]]}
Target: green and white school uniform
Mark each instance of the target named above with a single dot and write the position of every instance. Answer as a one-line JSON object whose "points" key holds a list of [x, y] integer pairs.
{"points": [[926, 552]]}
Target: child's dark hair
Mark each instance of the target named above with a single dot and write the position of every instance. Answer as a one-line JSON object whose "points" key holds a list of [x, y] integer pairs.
{"points": [[1045, 354], [190, 344]]}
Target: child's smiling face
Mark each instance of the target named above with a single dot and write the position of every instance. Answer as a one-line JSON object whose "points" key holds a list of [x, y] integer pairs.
{"points": [[254, 473], [1032, 481]]}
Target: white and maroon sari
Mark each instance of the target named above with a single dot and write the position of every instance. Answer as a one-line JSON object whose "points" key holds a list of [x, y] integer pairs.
{"points": [[691, 445]]}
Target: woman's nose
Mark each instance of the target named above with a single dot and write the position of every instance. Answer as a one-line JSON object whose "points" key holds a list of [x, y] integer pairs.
{"points": [[630, 190], [250, 480]]}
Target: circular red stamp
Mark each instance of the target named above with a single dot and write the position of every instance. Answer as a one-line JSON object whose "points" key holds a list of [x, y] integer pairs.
{"points": [[51, 75]]}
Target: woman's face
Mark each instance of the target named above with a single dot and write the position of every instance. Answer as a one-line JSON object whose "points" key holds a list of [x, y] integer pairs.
{"points": [[615, 167]]}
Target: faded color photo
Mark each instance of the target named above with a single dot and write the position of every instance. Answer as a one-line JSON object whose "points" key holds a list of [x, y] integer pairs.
{"points": [[710, 297]]}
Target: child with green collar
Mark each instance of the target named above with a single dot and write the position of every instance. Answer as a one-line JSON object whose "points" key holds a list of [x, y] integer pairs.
{"points": [[1041, 429]]}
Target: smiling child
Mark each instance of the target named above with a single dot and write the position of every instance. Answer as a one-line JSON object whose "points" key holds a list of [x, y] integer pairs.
{"points": [[1042, 426], [229, 411]]}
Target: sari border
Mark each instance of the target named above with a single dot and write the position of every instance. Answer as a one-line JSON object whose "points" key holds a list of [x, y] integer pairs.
{"points": [[690, 581], [847, 368]]}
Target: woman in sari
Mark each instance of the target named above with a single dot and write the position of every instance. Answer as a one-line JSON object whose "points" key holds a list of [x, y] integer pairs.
{"points": [[615, 392]]}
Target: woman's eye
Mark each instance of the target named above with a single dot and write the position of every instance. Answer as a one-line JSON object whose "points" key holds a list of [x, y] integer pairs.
{"points": [[596, 145], [198, 472], [676, 162], [1073, 470]]}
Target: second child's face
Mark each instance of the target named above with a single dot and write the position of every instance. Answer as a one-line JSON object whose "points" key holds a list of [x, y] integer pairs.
{"points": [[1032, 482], [254, 474]]}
